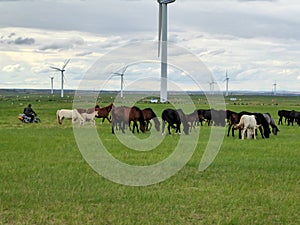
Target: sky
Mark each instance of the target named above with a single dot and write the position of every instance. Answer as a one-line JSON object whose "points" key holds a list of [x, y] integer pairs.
{"points": [[256, 41]]}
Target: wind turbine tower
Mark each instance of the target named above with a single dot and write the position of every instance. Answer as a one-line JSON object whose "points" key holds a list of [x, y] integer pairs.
{"points": [[211, 87], [121, 74], [274, 88], [227, 80], [62, 70], [162, 44], [51, 85]]}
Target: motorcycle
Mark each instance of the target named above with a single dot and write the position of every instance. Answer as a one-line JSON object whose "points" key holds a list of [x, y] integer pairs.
{"points": [[26, 119]]}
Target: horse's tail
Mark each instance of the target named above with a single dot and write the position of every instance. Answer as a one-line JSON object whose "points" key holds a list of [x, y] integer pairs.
{"points": [[58, 117]]}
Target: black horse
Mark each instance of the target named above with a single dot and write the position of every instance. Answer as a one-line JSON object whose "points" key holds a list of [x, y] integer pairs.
{"points": [[294, 116], [284, 113], [232, 119], [174, 117], [260, 120]]}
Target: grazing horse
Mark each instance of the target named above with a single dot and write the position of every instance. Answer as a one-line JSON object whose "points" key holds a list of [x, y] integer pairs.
{"points": [[294, 116], [69, 114], [247, 122], [285, 114], [192, 119], [260, 120], [207, 116], [104, 112], [200, 113], [218, 117], [149, 114], [124, 115], [172, 117], [232, 119], [90, 116], [271, 122]]}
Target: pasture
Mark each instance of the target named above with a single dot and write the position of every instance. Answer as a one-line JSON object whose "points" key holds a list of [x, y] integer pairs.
{"points": [[45, 180]]}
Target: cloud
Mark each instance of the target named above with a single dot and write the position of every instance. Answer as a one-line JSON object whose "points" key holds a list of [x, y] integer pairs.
{"points": [[13, 68], [24, 41], [63, 44]]}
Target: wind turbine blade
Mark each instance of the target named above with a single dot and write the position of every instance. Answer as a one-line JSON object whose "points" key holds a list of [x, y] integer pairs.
{"points": [[55, 68], [124, 69], [66, 63], [159, 27]]}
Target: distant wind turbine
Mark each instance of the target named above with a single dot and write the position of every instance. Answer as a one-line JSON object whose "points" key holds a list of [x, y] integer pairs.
{"points": [[227, 80], [121, 74], [162, 44], [274, 88], [51, 84], [62, 70], [211, 87]]}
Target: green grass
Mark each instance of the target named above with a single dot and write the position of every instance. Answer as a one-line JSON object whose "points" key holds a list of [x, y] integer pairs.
{"points": [[45, 180]]}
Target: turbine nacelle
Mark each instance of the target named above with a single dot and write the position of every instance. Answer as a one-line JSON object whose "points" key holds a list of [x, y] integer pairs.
{"points": [[165, 1]]}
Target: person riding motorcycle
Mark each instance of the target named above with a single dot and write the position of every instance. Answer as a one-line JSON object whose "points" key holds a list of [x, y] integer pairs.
{"points": [[28, 111]]}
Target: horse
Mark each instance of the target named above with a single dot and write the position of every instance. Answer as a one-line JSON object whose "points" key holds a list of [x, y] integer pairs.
{"points": [[192, 118], [90, 116], [260, 120], [247, 122], [232, 119], [271, 122], [285, 114], [149, 114], [294, 116], [218, 117], [172, 116], [104, 112], [124, 115], [69, 114], [200, 113]]}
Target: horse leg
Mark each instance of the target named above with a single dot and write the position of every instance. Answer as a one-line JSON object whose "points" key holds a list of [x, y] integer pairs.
{"points": [[123, 127], [261, 132], [163, 127], [229, 130], [112, 128], [243, 133], [169, 128]]}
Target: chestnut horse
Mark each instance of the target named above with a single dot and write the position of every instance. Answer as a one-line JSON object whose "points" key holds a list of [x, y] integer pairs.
{"points": [[124, 115], [148, 115], [104, 112]]}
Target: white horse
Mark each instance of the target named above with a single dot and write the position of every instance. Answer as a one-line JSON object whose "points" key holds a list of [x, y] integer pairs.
{"points": [[90, 116], [247, 122], [69, 114]]}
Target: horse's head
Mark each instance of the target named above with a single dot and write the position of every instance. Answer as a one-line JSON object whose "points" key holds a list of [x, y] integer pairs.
{"points": [[186, 128], [143, 126], [275, 130]]}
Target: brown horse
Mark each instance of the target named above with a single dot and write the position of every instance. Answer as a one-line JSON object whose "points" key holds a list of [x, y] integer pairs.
{"points": [[193, 118], [124, 115], [104, 112], [148, 115]]}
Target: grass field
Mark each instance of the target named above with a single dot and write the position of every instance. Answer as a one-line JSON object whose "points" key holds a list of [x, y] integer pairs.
{"points": [[45, 180]]}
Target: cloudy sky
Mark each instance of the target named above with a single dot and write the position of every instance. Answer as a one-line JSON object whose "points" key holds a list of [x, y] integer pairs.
{"points": [[256, 41]]}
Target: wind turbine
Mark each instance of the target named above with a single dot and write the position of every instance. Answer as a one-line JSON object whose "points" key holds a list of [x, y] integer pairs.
{"points": [[227, 80], [51, 84], [121, 74], [211, 87], [62, 70], [162, 43], [274, 88]]}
